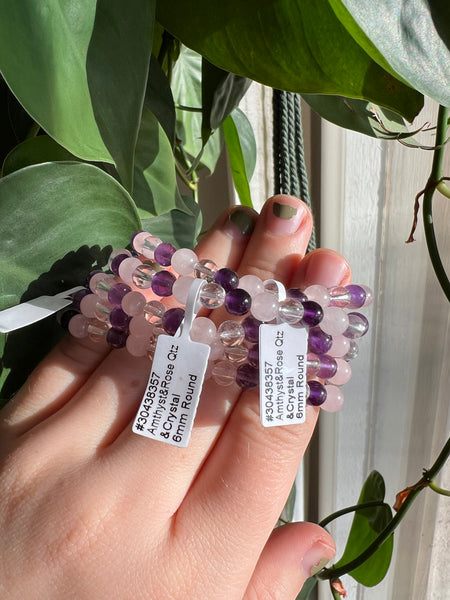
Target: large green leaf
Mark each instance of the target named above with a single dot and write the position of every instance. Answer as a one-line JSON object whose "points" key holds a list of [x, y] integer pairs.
{"points": [[414, 40], [80, 70], [159, 100], [55, 219], [367, 524], [288, 44], [241, 147], [179, 227]]}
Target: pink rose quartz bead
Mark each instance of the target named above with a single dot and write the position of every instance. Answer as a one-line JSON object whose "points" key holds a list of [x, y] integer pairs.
{"points": [[88, 305], [78, 326], [339, 347], [343, 373], [181, 287], [139, 327], [133, 304], [217, 350], [127, 268], [100, 283], [265, 306], [203, 330], [138, 346], [335, 320], [251, 284], [319, 294], [335, 399], [184, 261], [145, 243]]}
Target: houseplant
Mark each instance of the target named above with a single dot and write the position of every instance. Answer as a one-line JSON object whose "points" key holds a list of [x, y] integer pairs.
{"points": [[111, 107]]}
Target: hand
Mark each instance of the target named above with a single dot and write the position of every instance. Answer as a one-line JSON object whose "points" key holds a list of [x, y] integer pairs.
{"points": [[89, 510]]}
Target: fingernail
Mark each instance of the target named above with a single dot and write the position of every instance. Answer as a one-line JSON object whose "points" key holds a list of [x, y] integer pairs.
{"points": [[285, 219], [327, 268], [242, 222], [316, 558]]}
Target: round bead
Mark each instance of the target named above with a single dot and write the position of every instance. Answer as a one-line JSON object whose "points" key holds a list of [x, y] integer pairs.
{"points": [[319, 294], [369, 295], [236, 354], [154, 311], [203, 330], [231, 333], [335, 320], [247, 376], [313, 313], [116, 338], [140, 327], [290, 311], [145, 243], [115, 253], [163, 254], [340, 346], [65, 316], [127, 267], [357, 296], [237, 302], [119, 319], [97, 330], [224, 373], [227, 278], [297, 294], [100, 283], [312, 364], [317, 393], [78, 297], [335, 399], [352, 351], [253, 355], [133, 303], [319, 341], [328, 367], [78, 326], [265, 306], [172, 320], [212, 295], [138, 346], [251, 328], [217, 350], [358, 325], [181, 287], [205, 269], [143, 275], [251, 284], [115, 263], [117, 292], [339, 296], [162, 283], [343, 373], [271, 287], [184, 261], [88, 305]]}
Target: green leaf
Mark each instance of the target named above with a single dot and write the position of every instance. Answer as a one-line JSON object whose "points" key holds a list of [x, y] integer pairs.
{"points": [[414, 41], [80, 70], [176, 226], [52, 215], [367, 524], [155, 188], [288, 44], [241, 147], [159, 100], [33, 151], [307, 589], [187, 93], [221, 94]]}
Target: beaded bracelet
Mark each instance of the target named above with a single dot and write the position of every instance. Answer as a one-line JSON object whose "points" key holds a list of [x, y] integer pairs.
{"points": [[124, 306]]}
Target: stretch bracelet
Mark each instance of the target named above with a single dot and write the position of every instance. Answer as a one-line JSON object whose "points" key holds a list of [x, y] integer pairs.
{"points": [[124, 307]]}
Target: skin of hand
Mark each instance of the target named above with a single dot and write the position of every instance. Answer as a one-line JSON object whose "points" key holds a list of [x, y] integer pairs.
{"points": [[89, 510]]}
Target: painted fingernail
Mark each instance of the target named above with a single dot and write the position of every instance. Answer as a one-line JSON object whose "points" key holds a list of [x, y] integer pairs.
{"points": [[317, 557], [327, 268], [285, 219], [241, 221]]}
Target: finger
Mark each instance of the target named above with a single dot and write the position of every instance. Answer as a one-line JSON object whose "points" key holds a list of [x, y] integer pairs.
{"points": [[292, 554], [257, 465], [287, 235]]}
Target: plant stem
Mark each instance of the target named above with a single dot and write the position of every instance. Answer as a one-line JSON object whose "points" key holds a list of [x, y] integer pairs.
{"points": [[429, 475], [438, 489], [433, 181], [349, 509]]}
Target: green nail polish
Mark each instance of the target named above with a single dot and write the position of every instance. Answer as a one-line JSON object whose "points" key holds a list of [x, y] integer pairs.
{"points": [[243, 221], [284, 211]]}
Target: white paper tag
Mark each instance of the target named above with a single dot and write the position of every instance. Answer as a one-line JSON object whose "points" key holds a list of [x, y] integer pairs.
{"points": [[169, 405], [282, 374]]}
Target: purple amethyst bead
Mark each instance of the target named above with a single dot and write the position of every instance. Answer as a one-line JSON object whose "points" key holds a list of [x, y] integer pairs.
{"points": [[238, 302], [251, 328], [227, 278], [119, 319], [297, 294], [247, 376], [172, 320], [319, 342], [116, 338], [317, 393], [328, 367], [65, 316], [313, 313], [357, 296], [117, 292], [253, 355], [162, 283], [78, 297], [115, 263], [163, 254]]}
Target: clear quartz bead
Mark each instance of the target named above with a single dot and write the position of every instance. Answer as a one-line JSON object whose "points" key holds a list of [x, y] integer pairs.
{"points": [[212, 295], [290, 311], [224, 373], [145, 243], [231, 333], [143, 275], [184, 261], [100, 284], [236, 354], [352, 351], [271, 288], [97, 330], [205, 269], [154, 311], [265, 306], [339, 296]]}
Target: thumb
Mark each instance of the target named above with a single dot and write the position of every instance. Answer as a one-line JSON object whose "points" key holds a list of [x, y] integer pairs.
{"points": [[289, 555]]}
